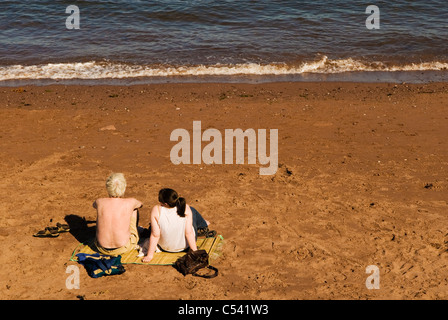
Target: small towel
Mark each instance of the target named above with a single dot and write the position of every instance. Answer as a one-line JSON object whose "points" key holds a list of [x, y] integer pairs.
{"points": [[99, 265]]}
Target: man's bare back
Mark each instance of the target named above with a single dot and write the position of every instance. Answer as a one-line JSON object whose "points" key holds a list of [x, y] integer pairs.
{"points": [[113, 220]]}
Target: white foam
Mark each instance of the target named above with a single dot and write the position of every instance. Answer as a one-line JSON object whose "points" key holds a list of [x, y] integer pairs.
{"points": [[106, 70]]}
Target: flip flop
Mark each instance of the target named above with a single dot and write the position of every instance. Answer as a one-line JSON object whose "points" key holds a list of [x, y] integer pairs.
{"points": [[211, 234], [206, 232], [62, 227], [48, 232], [202, 231]]}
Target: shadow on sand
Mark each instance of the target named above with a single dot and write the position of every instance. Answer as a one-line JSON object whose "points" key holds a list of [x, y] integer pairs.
{"points": [[85, 230], [80, 229]]}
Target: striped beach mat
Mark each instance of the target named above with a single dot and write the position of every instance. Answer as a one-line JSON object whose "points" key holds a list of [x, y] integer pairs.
{"points": [[213, 246]]}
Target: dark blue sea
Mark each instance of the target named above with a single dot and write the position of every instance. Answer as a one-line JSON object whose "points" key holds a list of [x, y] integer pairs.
{"points": [[229, 40]]}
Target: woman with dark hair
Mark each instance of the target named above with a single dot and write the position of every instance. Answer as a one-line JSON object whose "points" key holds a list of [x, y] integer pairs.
{"points": [[174, 225]]}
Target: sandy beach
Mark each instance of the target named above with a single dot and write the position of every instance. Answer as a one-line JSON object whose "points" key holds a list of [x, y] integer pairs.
{"points": [[362, 180]]}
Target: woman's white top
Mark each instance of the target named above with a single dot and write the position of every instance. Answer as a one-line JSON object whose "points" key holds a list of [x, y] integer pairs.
{"points": [[172, 230]]}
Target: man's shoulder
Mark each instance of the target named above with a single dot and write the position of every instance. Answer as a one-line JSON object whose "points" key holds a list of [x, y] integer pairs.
{"points": [[130, 200], [115, 199], [99, 200], [105, 199]]}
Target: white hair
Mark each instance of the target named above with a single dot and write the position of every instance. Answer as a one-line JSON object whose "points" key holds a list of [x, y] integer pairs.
{"points": [[116, 185]]}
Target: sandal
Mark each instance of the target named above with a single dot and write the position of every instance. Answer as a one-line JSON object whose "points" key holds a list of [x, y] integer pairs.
{"points": [[211, 234], [206, 232], [48, 232], [202, 231], [62, 227]]}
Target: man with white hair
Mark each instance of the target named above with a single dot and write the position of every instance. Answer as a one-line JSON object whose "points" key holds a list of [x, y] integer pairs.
{"points": [[116, 223]]}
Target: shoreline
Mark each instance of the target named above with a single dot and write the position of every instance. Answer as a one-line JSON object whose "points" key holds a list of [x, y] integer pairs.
{"points": [[395, 77], [361, 180]]}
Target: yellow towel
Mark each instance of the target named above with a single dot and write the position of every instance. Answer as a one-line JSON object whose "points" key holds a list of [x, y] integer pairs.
{"points": [[211, 245]]}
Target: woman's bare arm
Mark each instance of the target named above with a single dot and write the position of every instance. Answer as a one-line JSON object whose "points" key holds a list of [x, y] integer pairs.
{"points": [[189, 231], [155, 234]]}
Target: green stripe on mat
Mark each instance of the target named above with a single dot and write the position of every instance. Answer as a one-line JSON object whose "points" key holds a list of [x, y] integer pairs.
{"points": [[211, 245]]}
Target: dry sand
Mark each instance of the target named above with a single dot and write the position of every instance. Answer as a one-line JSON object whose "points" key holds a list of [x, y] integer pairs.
{"points": [[362, 180]]}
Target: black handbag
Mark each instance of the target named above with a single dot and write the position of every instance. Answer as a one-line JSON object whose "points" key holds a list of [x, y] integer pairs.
{"points": [[194, 261]]}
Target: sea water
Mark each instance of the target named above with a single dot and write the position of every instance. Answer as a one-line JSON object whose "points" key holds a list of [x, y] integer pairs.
{"points": [[225, 40]]}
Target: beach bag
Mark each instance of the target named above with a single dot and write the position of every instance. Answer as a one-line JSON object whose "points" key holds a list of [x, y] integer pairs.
{"points": [[194, 261]]}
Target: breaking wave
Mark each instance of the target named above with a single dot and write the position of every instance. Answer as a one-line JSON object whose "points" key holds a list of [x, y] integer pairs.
{"points": [[113, 70]]}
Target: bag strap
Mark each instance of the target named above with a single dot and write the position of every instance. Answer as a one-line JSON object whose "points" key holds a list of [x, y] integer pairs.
{"points": [[207, 276]]}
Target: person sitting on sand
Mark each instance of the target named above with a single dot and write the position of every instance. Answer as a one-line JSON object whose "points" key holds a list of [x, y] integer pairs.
{"points": [[174, 225], [116, 224]]}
